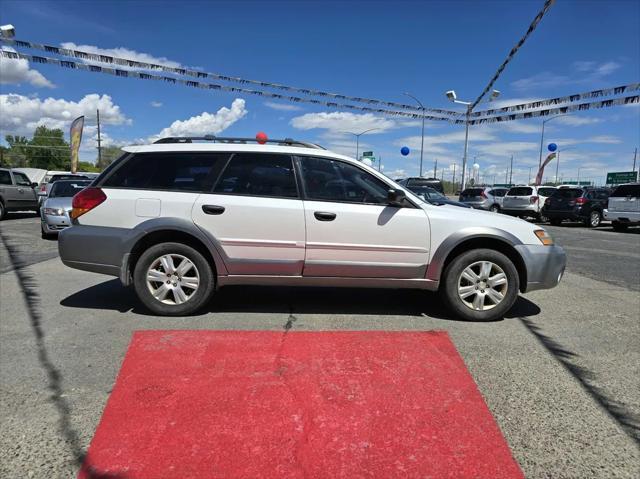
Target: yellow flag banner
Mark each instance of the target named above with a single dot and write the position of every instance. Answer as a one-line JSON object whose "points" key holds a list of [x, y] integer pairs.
{"points": [[76, 137]]}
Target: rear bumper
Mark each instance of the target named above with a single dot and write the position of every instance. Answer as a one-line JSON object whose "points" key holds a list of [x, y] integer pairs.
{"points": [[97, 249], [545, 265], [629, 217], [524, 211], [565, 214]]}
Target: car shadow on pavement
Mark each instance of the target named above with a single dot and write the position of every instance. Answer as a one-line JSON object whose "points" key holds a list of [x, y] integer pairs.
{"points": [[111, 295]]}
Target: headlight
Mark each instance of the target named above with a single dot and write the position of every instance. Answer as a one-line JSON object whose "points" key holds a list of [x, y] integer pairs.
{"points": [[544, 237], [54, 211]]}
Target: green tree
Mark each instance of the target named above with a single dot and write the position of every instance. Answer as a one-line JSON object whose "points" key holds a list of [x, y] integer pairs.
{"points": [[17, 153], [49, 150], [108, 155], [86, 166]]}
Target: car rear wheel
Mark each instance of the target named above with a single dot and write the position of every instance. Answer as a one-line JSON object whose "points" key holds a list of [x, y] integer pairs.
{"points": [[480, 285], [617, 226], [555, 222], [495, 208], [173, 279], [594, 219]]}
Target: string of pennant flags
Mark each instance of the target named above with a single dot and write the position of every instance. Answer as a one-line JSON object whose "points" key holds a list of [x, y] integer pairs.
{"points": [[619, 90], [477, 121], [112, 60]]}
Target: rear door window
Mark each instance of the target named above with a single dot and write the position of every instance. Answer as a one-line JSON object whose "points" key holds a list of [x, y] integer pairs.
{"points": [[255, 174], [168, 172], [520, 191], [472, 192], [626, 190], [21, 179]]}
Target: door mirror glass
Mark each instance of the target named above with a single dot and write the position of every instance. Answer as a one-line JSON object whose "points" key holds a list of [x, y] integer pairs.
{"points": [[34, 185], [396, 197]]}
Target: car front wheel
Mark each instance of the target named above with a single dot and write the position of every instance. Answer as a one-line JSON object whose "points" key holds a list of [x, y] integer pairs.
{"points": [[495, 208], [480, 285], [173, 279]]}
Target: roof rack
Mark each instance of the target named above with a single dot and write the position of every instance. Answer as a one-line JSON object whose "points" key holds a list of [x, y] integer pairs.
{"points": [[231, 140]]}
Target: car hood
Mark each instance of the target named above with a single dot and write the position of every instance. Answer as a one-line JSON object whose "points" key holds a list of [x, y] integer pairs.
{"points": [[448, 219], [61, 202]]}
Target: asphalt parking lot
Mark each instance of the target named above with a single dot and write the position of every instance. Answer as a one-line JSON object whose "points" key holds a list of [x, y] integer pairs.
{"points": [[560, 373]]}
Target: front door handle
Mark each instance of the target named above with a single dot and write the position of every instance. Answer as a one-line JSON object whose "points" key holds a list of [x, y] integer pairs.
{"points": [[324, 216], [213, 209]]}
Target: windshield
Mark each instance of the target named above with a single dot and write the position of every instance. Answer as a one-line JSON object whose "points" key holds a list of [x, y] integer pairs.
{"points": [[473, 192], [627, 190], [427, 193], [65, 189]]}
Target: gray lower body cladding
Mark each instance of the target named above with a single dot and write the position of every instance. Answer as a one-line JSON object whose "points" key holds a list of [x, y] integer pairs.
{"points": [[545, 265]]}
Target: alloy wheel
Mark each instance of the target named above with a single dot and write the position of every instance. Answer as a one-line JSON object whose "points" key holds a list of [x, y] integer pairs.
{"points": [[173, 279], [482, 285], [595, 218]]}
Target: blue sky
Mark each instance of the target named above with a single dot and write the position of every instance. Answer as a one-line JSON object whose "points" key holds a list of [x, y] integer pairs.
{"points": [[370, 49]]}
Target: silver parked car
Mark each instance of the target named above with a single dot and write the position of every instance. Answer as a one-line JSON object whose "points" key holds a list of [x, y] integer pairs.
{"points": [[484, 198], [54, 214], [527, 201]]}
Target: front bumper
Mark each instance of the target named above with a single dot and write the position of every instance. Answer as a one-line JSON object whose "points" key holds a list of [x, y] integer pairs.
{"points": [[545, 265], [54, 223]]}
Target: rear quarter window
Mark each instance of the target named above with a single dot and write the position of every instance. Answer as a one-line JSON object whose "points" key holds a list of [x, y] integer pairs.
{"points": [[180, 171], [546, 191]]}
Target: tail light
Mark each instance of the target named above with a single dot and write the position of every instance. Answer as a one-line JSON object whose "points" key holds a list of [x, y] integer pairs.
{"points": [[547, 201], [581, 201], [43, 188], [86, 200], [533, 199], [483, 195]]}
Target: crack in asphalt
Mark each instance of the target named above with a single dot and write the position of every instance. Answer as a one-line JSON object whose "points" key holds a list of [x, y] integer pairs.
{"points": [[29, 287], [626, 419]]}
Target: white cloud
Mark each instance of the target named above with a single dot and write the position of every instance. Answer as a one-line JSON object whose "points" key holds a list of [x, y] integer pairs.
{"points": [[123, 53], [156, 104], [584, 72], [340, 121], [206, 123], [397, 173], [571, 120], [507, 148], [282, 106], [21, 115], [17, 71], [606, 139]]}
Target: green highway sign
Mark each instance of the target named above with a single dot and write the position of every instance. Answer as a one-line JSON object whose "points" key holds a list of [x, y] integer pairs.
{"points": [[621, 177], [367, 153]]}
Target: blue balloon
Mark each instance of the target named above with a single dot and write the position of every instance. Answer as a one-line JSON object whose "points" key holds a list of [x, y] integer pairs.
{"points": [[552, 147], [404, 150]]}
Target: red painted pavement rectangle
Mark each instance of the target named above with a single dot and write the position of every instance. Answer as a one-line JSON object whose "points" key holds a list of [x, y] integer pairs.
{"points": [[263, 404]]}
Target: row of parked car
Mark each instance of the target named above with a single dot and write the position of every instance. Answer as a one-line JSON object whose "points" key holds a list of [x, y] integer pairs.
{"points": [[589, 205]]}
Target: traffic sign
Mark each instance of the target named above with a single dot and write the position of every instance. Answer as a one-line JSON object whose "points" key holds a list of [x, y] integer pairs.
{"points": [[621, 177], [367, 153]]}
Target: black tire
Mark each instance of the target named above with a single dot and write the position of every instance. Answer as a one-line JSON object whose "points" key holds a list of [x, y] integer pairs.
{"points": [[617, 226], [44, 234], [542, 218], [3, 211], [452, 276], [195, 301], [555, 222], [495, 208], [594, 219]]}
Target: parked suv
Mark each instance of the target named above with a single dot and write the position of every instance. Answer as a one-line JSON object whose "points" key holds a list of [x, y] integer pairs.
{"points": [[577, 204], [484, 198], [179, 219], [527, 201], [624, 207], [16, 192]]}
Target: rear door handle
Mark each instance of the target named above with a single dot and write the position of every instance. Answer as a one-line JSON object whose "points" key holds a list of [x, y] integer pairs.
{"points": [[324, 216], [213, 209]]}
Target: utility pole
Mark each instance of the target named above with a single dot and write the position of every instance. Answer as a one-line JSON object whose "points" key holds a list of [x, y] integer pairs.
{"points": [[453, 180], [557, 165], [99, 140], [511, 171], [635, 155], [435, 169], [529, 182], [380, 163]]}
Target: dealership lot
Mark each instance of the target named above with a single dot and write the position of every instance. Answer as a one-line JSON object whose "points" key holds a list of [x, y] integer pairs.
{"points": [[559, 374]]}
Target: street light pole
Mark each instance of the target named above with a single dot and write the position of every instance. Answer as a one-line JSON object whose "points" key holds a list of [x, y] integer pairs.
{"points": [[422, 134], [542, 135], [358, 135]]}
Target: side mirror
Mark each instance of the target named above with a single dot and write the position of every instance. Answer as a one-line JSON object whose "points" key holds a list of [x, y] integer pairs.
{"points": [[396, 197], [34, 185]]}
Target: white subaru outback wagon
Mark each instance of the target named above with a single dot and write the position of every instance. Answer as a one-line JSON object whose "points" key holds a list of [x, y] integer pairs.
{"points": [[182, 217]]}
